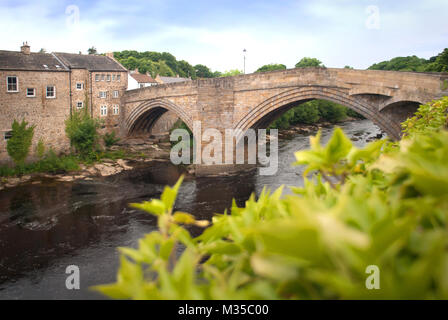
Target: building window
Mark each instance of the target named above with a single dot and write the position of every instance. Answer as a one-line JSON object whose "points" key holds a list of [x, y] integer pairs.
{"points": [[12, 84], [79, 104], [103, 111], [116, 94], [103, 94], [51, 92], [7, 135], [116, 109], [118, 77], [97, 77], [113, 77], [79, 86], [102, 77], [30, 92], [108, 77]]}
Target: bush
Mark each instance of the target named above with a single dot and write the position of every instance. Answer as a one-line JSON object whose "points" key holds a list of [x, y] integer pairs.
{"points": [[110, 139], [307, 113], [18, 146], [40, 149], [384, 206], [331, 111], [81, 129], [432, 116]]}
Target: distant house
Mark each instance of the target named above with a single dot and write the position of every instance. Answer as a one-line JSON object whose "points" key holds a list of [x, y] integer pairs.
{"points": [[162, 80], [138, 80]]}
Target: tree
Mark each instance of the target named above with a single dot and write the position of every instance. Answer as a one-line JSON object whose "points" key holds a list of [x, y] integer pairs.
{"points": [[18, 146], [171, 61], [231, 73], [438, 63], [81, 129], [92, 50], [42, 50], [309, 62], [348, 67], [186, 70], [271, 67], [203, 71]]}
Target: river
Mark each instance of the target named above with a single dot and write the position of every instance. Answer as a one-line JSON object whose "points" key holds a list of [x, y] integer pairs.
{"points": [[46, 227]]}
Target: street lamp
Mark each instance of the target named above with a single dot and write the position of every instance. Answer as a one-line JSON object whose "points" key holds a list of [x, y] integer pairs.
{"points": [[244, 52]]}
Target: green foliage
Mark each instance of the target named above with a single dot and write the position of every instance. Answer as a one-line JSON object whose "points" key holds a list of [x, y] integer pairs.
{"points": [[432, 116], [40, 148], [311, 112], [81, 129], [309, 62], [307, 113], [203, 71], [438, 63], [18, 146], [110, 139], [50, 162], [379, 206], [331, 111], [92, 50], [231, 73], [163, 64], [271, 67]]}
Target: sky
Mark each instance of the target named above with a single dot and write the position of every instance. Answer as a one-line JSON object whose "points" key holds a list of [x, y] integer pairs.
{"points": [[215, 32]]}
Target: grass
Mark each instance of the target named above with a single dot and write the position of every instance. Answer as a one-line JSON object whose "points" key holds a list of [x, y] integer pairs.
{"points": [[52, 163]]}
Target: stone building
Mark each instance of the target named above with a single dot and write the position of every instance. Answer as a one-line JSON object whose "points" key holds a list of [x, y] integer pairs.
{"points": [[44, 88]]}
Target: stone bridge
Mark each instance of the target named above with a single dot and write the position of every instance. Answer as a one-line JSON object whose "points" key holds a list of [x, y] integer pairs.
{"points": [[255, 100]]}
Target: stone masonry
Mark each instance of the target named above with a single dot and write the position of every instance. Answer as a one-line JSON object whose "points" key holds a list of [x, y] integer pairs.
{"points": [[255, 100]]}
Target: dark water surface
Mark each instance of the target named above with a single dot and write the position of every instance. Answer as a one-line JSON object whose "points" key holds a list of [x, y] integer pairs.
{"points": [[46, 227]]}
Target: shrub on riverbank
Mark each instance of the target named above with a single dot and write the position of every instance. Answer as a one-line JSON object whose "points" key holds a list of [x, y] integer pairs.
{"points": [[82, 132], [18, 146], [313, 112], [371, 224]]}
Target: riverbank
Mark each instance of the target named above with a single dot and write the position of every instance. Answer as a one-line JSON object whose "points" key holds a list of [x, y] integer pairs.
{"points": [[142, 151], [136, 152]]}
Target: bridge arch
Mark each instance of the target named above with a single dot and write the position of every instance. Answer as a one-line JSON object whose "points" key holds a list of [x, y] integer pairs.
{"points": [[142, 118], [267, 111]]}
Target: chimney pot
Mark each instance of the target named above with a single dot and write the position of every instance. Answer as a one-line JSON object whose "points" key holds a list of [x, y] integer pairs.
{"points": [[25, 48]]}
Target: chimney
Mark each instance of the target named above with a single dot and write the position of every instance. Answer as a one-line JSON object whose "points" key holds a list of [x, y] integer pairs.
{"points": [[25, 49], [110, 55]]}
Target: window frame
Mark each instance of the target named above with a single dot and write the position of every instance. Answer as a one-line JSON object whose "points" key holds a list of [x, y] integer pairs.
{"points": [[34, 93], [82, 86], [118, 77], [77, 105], [54, 92], [103, 107], [116, 94], [108, 77], [5, 133], [116, 109], [97, 77], [17, 84], [101, 95]]}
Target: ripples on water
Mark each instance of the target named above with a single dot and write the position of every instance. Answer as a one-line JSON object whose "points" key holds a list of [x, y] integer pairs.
{"points": [[46, 227]]}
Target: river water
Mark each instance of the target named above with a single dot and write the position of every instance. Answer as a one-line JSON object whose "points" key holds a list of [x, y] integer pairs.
{"points": [[46, 227]]}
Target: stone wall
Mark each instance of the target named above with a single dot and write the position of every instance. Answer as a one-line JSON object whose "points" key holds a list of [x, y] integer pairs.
{"points": [[47, 114]]}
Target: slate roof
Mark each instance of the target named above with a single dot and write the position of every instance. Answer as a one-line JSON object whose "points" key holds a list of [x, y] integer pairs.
{"points": [[91, 62], [142, 78], [173, 79], [16, 60]]}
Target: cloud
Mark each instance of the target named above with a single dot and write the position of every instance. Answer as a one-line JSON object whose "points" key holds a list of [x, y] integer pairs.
{"points": [[215, 33]]}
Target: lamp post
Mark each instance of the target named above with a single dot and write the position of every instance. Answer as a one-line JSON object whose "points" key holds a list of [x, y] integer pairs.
{"points": [[244, 66]]}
